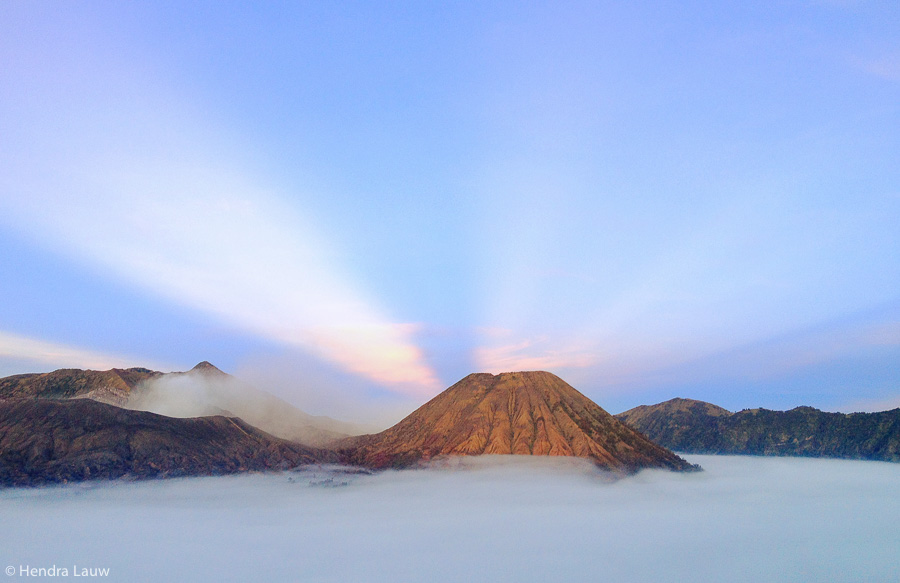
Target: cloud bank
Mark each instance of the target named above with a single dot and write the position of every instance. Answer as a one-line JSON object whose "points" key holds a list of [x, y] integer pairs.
{"points": [[743, 519]]}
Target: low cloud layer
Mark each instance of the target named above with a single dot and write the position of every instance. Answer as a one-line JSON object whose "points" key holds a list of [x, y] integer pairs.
{"points": [[743, 519]]}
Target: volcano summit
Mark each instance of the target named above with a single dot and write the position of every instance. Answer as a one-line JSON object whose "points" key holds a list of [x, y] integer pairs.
{"points": [[520, 413]]}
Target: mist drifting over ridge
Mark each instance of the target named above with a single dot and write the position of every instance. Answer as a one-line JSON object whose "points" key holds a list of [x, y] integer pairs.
{"points": [[205, 390], [743, 519]]}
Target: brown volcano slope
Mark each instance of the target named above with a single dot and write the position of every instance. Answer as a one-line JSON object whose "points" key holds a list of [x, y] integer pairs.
{"points": [[523, 413], [107, 386], [51, 441]]}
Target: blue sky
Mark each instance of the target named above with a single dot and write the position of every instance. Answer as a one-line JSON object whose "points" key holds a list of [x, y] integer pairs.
{"points": [[357, 204]]}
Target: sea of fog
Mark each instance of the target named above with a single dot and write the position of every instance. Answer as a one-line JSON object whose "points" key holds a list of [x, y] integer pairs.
{"points": [[743, 519]]}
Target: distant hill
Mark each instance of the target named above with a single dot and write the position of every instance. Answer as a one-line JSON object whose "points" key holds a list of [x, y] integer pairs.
{"points": [[45, 441], [522, 413], [698, 427], [202, 391]]}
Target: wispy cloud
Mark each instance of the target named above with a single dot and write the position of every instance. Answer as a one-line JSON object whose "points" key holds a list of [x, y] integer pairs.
{"points": [[530, 355], [143, 190], [54, 355], [786, 354], [886, 67], [208, 239], [617, 366]]}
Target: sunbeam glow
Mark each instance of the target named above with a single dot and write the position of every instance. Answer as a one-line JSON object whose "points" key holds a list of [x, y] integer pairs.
{"points": [[134, 190], [642, 198]]}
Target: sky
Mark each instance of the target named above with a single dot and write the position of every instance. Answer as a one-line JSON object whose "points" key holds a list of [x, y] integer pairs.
{"points": [[353, 205]]}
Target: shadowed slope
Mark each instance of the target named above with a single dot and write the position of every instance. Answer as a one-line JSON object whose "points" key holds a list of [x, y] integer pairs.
{"points": [[49, 441], [673, 422], [522, 413], [699, 427]]}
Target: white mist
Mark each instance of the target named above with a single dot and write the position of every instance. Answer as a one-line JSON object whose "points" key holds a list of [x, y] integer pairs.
{"points": [[743, 519]]}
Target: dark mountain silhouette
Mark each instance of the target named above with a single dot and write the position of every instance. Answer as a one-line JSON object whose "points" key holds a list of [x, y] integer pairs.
{"points": [[524, 413], [46, 441], [699, 427]]}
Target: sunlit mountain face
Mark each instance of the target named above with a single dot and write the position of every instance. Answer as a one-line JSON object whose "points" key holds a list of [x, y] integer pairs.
{"points": [[531, 413]]}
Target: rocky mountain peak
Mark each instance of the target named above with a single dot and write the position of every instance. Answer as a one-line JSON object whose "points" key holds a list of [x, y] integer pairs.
{"points": [[517, 413], [206, 367]]}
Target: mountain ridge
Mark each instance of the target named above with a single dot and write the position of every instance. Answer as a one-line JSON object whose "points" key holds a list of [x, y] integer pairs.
{"points": [[699, 427], [201, 391], [112, 386]]}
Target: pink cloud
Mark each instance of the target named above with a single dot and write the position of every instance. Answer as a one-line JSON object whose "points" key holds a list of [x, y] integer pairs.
{"points": [[526, 356]]}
